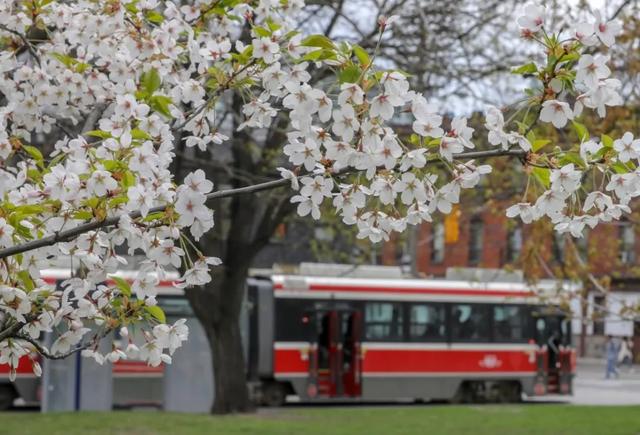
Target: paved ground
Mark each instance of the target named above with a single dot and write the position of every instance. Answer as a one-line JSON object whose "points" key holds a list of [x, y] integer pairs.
{"points": [[591, 388]]}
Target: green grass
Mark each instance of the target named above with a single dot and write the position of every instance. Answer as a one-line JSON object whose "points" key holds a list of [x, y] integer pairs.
{"points": [[473, 420]]}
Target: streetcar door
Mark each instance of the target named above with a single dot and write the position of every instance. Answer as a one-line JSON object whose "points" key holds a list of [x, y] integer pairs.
{"points": [[325, 374], [553, 333], [335, 358], [352, 354]]}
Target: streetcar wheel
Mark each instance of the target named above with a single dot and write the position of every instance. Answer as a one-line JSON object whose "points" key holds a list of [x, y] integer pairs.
{"points": [[464, 394], [273, 394], [7, 396], [514, 392]]}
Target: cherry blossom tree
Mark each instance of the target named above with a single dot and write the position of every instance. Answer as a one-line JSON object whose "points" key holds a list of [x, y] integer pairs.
{"points": [[108, 88]]}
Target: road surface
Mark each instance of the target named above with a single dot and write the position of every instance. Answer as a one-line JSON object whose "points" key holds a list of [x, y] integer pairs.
{"points": [[591, 388]]}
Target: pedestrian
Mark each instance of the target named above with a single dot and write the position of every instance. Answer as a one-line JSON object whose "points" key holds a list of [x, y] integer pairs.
{"points": [[625, 356], [611, 353]]}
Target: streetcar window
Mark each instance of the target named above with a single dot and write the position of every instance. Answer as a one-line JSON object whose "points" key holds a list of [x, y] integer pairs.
{"points": [[290, 320], [470, 322], [383, 321], [509, 323], [427, 322]]}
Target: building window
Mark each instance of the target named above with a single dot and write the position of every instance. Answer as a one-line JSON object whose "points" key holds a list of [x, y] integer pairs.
{"points": [[558, 246], [437, 243], [470, 322], [427, 322], [514, 244], [627, 236], [383, 321], [475, 241]]}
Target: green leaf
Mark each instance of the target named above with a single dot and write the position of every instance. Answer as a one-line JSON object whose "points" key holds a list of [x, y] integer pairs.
{"points": [[607, 141], [160, 103], [320, 41], [99, 133], [67, 61], [529, 68], [26, 280], [350, 74], [153, 216], [123, 285], [30, 209], [111, 165], [34, 153], [83, 215], [150, 81], [362, 55], [538, 144], [318, 55], [581, 131], [621, 168], [572, 158], [132, 7], [154, 17], [128, 179], [156, 312], [570, 57], [273, 26], [261, 32], [140, 134], [543, 175]]}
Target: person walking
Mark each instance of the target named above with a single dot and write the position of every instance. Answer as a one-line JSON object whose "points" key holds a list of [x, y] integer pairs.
{"points": [[625, 356], [611, 353]]}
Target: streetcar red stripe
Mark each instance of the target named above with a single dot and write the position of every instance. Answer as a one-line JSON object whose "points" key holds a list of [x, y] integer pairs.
{"points": [[423, 361], [427, 291]]}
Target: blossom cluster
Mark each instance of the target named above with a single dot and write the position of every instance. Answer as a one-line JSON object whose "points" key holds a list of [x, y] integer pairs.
{"points": [[96, 95]]}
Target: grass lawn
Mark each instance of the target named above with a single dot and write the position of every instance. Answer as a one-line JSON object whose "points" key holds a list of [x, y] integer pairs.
{"points": [[473, 420]]}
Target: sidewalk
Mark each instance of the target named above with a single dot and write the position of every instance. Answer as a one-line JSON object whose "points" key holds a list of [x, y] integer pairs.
{"points": [[591, 387]]}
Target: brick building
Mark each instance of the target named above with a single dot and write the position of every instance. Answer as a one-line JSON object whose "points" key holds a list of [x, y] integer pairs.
{"points": [[488, 239]]}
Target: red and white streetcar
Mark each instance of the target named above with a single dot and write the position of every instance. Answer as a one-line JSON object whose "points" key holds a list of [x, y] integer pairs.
{"points": [[388, 339]]}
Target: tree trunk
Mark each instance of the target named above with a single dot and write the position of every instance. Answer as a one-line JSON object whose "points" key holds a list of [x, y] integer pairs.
{"points": [[218, 308], [231, 393]]}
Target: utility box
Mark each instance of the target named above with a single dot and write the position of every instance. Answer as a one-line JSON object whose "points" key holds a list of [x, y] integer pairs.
{"points": [[76, 383], [188, 380]]}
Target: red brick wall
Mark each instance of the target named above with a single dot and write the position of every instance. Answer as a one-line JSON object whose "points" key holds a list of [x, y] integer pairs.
{"points": [[602, 246]]}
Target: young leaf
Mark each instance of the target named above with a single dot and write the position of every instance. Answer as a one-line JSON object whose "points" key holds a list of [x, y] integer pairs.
{"points": [[34, 153], [538, 144], [543, 175], [350, 74], [581, 131], [320, 41], [607, 141], [160, 104], [362, 55], [150, 81], [156, 312], [123, 285], [529, 68]]}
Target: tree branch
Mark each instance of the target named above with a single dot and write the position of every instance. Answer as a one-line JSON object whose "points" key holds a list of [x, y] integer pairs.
{"points": [[45, 352], [67, 235], [25, 41]]}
